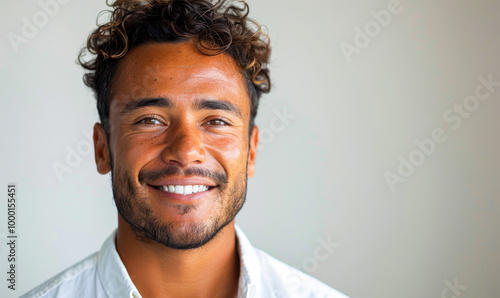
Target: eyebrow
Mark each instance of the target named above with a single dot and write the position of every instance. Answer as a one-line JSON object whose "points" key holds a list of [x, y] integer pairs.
{"points": [[163, 102], [147, 102], [211, 104]]}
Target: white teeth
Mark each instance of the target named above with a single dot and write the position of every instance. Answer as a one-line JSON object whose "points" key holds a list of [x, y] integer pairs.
{"points": [[184, 189]]}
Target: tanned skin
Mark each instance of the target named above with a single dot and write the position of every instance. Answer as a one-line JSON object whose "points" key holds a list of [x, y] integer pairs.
{"points": [[181, 131]]}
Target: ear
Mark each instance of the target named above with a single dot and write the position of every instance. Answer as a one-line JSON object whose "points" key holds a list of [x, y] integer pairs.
{"points": [[254, 141], [101, 150]]}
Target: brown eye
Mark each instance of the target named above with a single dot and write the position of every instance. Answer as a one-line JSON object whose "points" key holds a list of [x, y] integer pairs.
{"points": [[150, 121], [217, 122]]}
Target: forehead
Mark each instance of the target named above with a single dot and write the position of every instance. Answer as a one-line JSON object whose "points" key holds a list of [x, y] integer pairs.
{"points": [[176, 70]]}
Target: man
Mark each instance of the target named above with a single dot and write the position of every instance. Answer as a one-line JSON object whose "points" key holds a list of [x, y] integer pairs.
{"points": [[177, 85]]}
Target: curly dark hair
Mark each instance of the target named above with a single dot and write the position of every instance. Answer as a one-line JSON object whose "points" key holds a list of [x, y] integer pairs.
{"points": [[214, 27]]}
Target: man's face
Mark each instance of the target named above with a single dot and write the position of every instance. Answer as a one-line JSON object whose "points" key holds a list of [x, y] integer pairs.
{"points": [[179, 148]]}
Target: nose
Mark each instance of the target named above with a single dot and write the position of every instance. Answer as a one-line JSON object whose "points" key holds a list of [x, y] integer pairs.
{"points": [[184, 146]]}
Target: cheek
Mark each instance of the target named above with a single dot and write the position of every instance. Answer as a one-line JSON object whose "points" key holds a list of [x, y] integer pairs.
{"points": [[229, 151], [134, 152]]}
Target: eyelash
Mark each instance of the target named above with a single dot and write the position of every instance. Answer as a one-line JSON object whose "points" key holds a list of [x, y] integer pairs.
{"points": [[159, 119], [151, 117], [225, 123]]}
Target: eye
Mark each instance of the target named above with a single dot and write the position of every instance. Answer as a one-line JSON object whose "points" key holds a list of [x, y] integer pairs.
{"points": [[150, 121], [217, 122]]}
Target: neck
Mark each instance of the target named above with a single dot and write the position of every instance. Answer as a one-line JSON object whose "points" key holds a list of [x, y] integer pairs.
{"points": [[159, 271]]}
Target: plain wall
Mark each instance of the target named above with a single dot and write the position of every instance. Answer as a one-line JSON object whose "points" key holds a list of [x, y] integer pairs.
{"points": [[321, 171]]}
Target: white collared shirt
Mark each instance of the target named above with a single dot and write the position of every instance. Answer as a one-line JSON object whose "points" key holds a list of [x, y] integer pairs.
{"points": [[103, 274]]}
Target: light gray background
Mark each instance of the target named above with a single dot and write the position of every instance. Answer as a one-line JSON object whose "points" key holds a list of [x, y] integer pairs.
{"points": [[319, 176]]}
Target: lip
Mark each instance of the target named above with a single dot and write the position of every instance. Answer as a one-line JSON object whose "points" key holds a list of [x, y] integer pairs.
{"points": [[183, 181], [182, 199]]}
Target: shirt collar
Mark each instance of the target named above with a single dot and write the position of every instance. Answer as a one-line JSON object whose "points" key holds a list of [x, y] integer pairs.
{"points": [[112, 273], [117, 282], [249, 284]]}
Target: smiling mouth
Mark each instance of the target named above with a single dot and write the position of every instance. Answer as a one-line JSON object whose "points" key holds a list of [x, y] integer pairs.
{"points": [[184, 189]]}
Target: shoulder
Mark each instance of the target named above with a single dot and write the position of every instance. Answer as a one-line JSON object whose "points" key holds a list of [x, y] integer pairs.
{"points": [[286, 281], [67, 282]]}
